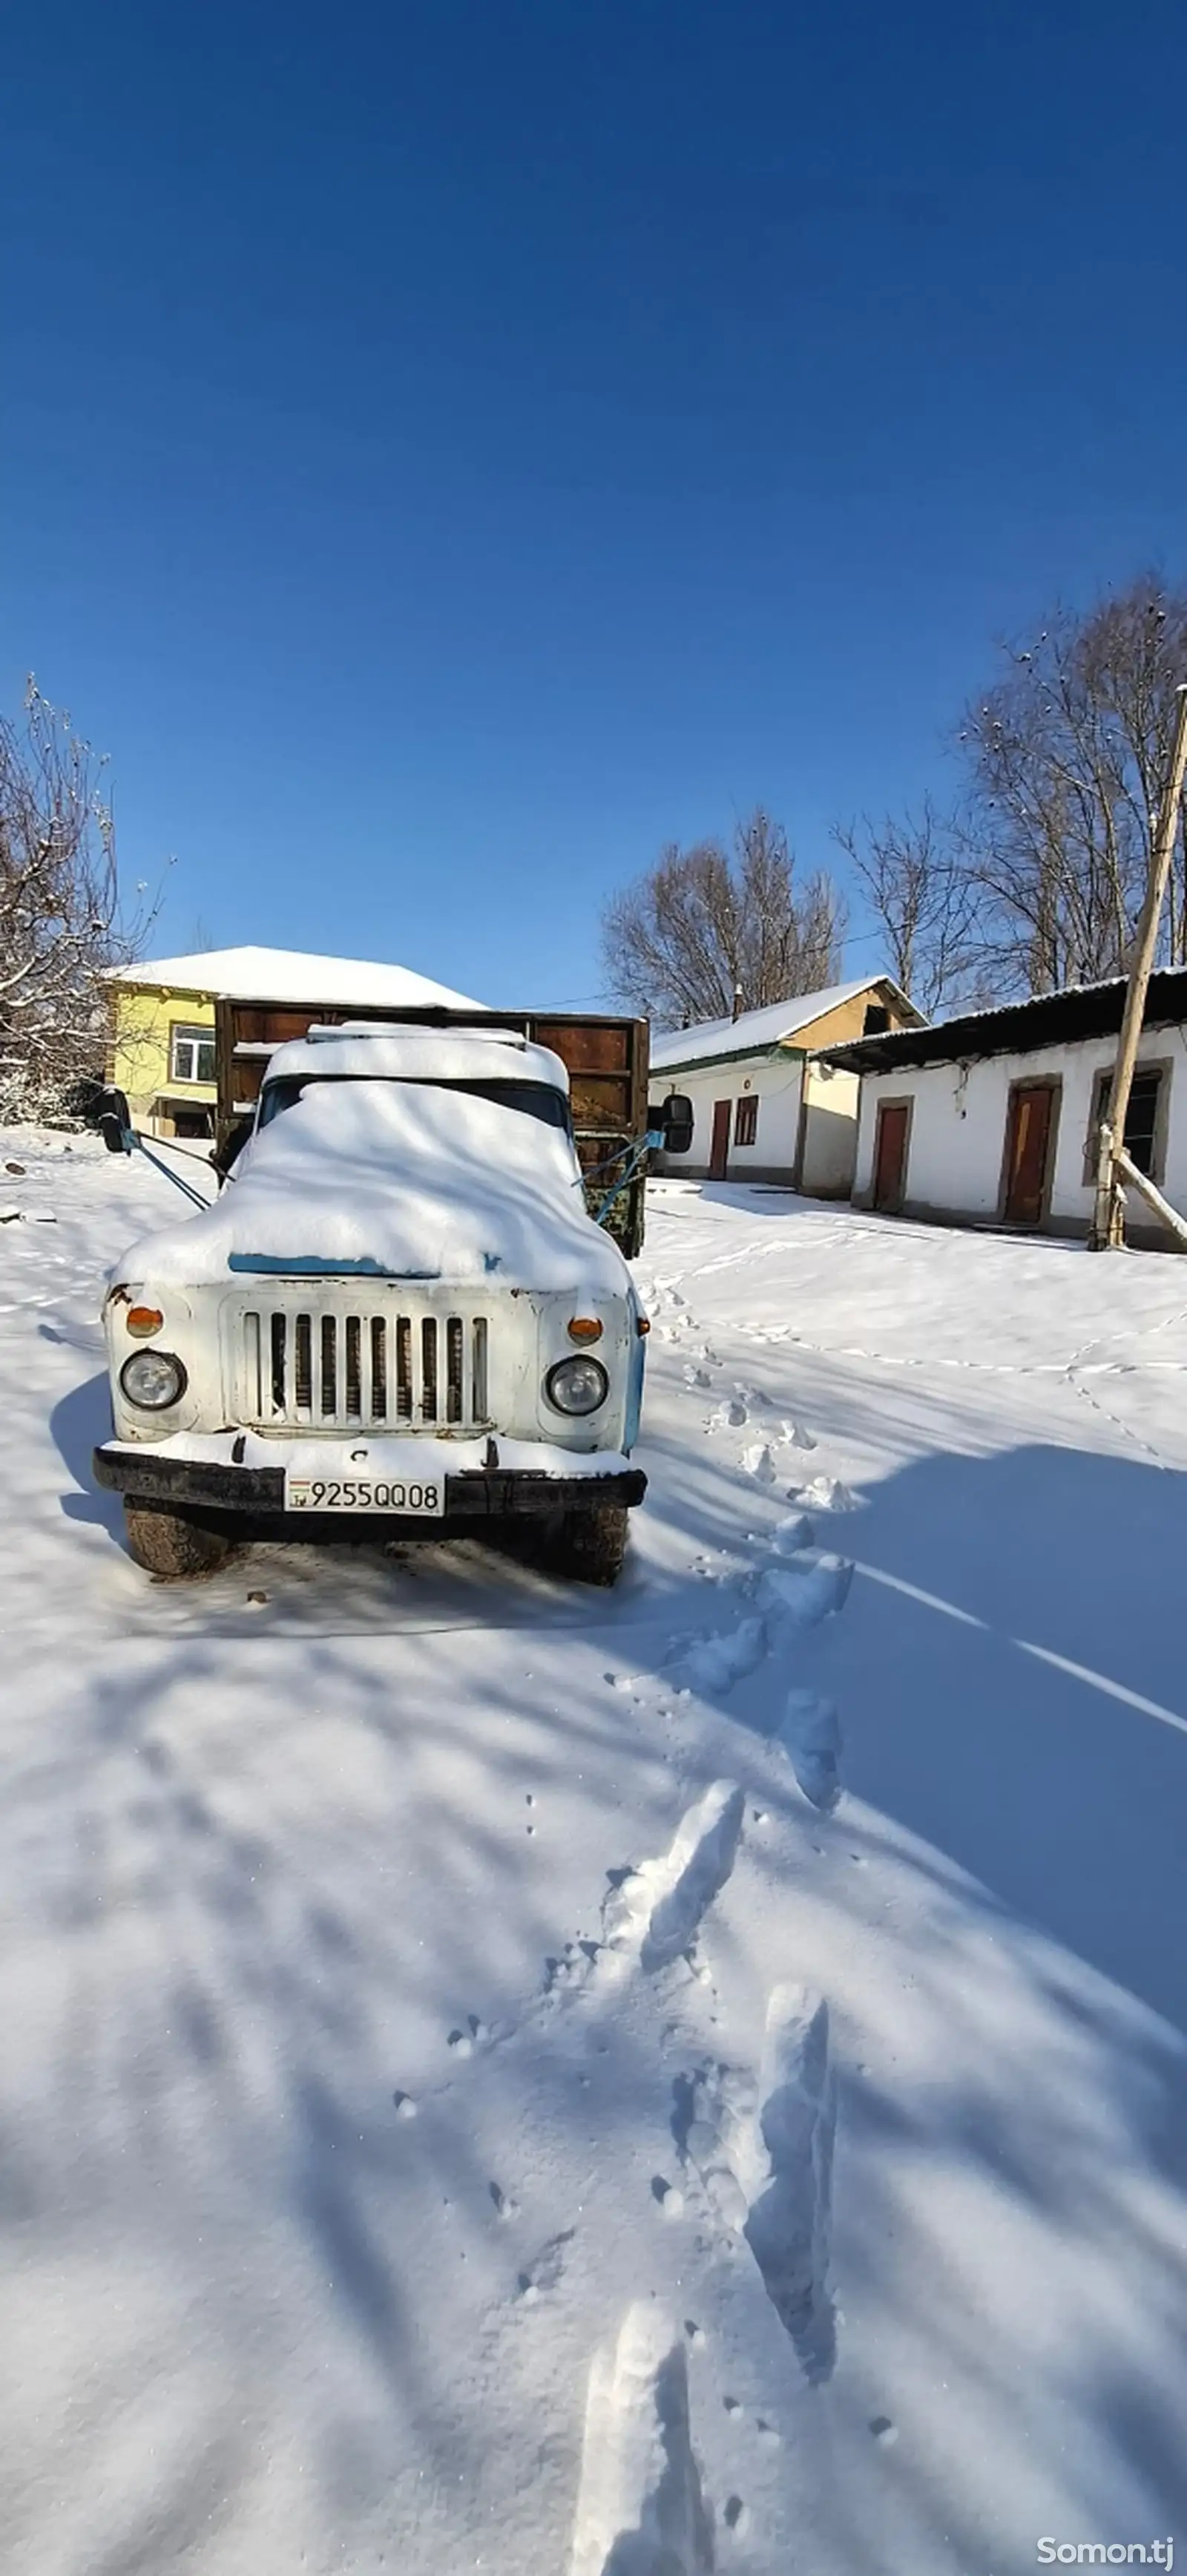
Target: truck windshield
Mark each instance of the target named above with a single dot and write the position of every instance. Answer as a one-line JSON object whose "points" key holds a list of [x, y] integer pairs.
{"points": [[533, 1099]]}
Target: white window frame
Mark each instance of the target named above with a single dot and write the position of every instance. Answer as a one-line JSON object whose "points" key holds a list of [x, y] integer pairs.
{"points": [[186, 1038]]}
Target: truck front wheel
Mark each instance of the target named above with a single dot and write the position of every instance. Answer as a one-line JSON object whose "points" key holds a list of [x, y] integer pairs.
{"points": [[167, 1544], [589, 1546]]}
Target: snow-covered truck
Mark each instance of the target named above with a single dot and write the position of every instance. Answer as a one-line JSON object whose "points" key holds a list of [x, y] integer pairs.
{"points": [[399, 1311], [604, 1054]]}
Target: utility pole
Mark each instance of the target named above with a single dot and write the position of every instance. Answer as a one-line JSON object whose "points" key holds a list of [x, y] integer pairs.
{"points": [[1108, 1223]]}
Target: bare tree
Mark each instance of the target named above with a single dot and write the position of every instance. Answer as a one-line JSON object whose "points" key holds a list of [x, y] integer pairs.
{"points": [[1066, 757], [924, 900], [60, 925], [708, 932]]}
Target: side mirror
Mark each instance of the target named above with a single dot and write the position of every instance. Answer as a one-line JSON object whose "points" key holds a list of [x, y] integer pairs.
{"points": [[676, 1120], [114, 1121]]}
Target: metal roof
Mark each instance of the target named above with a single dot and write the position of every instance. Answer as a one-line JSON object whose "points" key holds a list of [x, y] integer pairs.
{"points": [[1080, 1011]]}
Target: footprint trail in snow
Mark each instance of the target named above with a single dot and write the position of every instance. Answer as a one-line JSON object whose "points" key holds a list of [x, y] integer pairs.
{"points": [[641, 2509], [655, 1911], [764, 2155]]}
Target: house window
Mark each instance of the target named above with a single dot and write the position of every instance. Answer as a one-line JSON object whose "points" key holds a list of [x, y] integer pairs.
{"points": [[191, 1055], [876, 1021], [1143, 1119], [746, 1120]]}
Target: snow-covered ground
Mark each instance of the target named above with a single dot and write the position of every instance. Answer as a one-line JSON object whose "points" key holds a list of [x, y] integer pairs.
{"points": [[502, 2077]]}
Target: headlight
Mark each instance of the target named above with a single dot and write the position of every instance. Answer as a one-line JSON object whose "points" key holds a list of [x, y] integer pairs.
{"points": [[153, 1380], [577, 1386]]}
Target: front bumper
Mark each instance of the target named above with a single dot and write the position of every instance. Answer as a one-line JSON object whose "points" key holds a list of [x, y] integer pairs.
{"points": [[491, 1491]]}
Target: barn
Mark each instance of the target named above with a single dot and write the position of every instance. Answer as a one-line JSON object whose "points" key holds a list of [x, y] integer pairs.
{"points": [[991, 1118]]}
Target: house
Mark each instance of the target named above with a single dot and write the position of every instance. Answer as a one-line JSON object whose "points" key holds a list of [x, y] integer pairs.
{"points": [[991, 1119], [764, 1109], [161, 1045]]}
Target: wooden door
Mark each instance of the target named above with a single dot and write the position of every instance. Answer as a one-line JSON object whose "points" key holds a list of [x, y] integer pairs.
{"points": [[890, 1155], [1028, 1138], [719, 1152]]}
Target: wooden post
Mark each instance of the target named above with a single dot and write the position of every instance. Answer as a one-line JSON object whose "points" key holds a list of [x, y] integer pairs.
{"points": [[1128, 1172], [1108, 1223]]}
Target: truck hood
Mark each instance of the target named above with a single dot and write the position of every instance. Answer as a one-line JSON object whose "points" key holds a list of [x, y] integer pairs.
{"points": [[395, 1180]]}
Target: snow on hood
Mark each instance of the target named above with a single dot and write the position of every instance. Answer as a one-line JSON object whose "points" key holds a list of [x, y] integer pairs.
{"points": [[399, 1179]]}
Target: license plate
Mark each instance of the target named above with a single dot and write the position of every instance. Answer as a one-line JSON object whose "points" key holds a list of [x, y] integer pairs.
{"points": [[415, 1497]]}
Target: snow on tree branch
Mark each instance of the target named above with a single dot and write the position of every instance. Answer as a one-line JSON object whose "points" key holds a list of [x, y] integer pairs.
{"points": [[61, 925]]}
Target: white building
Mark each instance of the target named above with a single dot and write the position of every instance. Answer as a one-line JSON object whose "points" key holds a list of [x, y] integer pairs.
{"points": [[991, 1119], [764, 1110]]}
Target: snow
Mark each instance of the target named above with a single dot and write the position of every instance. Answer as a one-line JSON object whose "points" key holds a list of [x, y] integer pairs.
{"points": [[400, 1458], [403, 1178], [292, 975], [384, 1051], [760, 1030], [491, 2084]]}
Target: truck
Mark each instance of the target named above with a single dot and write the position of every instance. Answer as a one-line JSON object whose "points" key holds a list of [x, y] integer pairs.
{"points": [[606, 1059], [399, 1315]]}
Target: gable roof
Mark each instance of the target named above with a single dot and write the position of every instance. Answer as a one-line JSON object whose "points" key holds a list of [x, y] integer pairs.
{"points": [[290, 975], [1079, 1011], [760, 1032]]}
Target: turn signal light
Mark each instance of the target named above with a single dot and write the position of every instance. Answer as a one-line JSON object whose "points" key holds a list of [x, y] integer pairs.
{"points": [[584, 1328], [144, 1319]]}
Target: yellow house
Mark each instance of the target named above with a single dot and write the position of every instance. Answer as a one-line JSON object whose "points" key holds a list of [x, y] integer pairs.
{"points": [[161, 1043]]}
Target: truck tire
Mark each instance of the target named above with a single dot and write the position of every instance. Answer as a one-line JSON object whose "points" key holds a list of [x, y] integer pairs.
{"points": [[589, 1546], [168, 1545]]}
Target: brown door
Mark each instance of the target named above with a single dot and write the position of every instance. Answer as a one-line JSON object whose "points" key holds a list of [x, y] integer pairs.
{"points": [[890, 1155], [1028, 1135], [719, 1152]]}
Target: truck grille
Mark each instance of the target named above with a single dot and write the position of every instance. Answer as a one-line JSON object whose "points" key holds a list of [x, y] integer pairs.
{"points": [[331, 1369]]}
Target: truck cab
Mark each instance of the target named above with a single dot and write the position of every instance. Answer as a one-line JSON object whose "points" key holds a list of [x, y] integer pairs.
{"points": [[399, 1312]]}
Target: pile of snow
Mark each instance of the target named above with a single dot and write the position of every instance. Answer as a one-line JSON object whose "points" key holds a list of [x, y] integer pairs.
{"points": [[401, 1178]]}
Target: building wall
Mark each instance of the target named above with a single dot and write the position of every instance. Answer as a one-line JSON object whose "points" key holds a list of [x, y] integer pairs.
{"points": [[958, 1129], [775, 1084], [830, 1132], [140, 1049]]}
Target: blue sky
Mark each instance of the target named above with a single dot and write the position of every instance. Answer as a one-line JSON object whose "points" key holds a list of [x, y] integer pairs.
{"points": [[447, 453]]}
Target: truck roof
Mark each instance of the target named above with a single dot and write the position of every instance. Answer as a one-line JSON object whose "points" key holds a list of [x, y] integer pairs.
{"points": [[381, 1051]]}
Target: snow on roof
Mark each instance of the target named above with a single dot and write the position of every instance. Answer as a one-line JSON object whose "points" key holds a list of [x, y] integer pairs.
{"points": [[756, 1029], [291, 975]]}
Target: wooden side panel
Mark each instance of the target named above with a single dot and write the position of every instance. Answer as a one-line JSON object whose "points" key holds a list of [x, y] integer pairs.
{"points": [[593, 1046]]}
